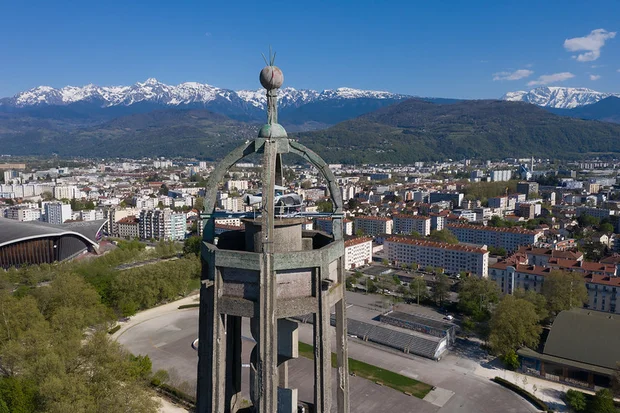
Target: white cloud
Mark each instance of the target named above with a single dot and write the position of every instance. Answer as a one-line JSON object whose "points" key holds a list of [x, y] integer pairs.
{"points": [[516, 75], [595, 77], [591, 44], [554, 78]]}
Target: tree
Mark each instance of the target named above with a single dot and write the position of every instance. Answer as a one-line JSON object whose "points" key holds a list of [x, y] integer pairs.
{"points": [[564, 290], [514, 323], [199, 203], [444, 235], [192, 245], [441, 289], [418, 289], [385, 261], [325, 206], [371, 288], [576, 400], [539, 301], [607, 228], [475, 295], [603, 402]]}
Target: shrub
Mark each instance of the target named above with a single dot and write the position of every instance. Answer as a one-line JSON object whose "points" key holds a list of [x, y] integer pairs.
{"points": [[511, 360], [576, 400]]}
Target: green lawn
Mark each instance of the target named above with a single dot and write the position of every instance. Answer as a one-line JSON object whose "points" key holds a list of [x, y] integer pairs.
{"points": [[387, 378]]}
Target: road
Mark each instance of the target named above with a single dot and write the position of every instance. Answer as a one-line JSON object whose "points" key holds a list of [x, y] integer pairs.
{"points": [[166, 334]]}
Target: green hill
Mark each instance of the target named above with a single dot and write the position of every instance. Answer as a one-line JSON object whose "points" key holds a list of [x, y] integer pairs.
{"points": [[416, 130]]}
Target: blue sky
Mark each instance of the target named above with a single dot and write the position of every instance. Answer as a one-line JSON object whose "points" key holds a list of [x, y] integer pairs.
{"points": [[425, 48]]}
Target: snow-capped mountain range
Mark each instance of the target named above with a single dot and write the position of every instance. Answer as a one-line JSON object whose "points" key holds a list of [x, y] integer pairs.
{"points": [[558, 97], [188, 93]]}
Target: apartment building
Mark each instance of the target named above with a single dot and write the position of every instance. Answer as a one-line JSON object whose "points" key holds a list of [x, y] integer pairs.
{"points": [[128, 227], [603, 290], [370, 225], [406, 224], [508, 238], [56, 212], [23, 214], [162, 225], [453, 258], [357, 252], [326, 225]]}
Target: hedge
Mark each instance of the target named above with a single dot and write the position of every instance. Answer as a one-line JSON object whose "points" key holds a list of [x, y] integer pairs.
{"points": [[523, 393], [115, 329]]}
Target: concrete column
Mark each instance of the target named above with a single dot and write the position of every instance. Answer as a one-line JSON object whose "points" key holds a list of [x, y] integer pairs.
{"points": [[233, 363], [267, 340], [322, 348], [211, 374], [342, 353]]}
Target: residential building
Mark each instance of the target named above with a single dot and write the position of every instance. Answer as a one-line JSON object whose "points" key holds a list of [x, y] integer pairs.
{"points": [[600, 213], [603, 290], [527, 187], [56, 212], [23, 214], [162, 225], [501, 175], [508, 238], [64, 191], [370, 225], [357, 252], [406, 224], [453, 197], [453, 258], [325, 224], [237, 185], [128, 227]]}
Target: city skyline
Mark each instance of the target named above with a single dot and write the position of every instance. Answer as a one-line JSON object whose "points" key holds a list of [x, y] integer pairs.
{"points": [[481, 50]]}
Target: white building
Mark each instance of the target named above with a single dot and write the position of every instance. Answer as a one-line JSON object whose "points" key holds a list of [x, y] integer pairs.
{"points": [[23, 214], [128, 227], [406, 224], [325, 225], [357, 252], [237, 185], [162, 225], [56, 212], [508, 238], [64, 191], [370, 225], [453, 258], [501, 175]]}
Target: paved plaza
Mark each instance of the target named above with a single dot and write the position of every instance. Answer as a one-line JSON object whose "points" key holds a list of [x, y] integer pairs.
{"points": [[166, 333]]}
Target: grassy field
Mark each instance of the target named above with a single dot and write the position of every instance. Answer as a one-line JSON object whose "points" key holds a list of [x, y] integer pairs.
{"points": [[387, 378]]}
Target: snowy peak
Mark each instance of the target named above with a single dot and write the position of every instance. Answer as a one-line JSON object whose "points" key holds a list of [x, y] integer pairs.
{"points": [[558, 97], [186, 93]]}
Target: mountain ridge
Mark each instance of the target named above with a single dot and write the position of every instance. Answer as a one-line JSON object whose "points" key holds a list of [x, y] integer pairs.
{"points": [[558, 97], [182, 94]]}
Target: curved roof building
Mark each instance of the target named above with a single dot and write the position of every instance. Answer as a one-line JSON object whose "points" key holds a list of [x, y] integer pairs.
{"points": [[36, 242]]}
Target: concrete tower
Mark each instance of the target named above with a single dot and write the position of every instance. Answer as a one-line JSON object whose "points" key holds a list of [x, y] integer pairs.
{"points": [[269, 273]]}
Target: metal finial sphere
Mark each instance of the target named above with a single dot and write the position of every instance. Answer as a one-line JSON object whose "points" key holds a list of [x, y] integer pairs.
{"points": [[271, 77]]}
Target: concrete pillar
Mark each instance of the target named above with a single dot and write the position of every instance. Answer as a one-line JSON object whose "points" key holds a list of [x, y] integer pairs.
{"points": [[322, 347], [233, 363], [268, 333], [211, 352]]}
